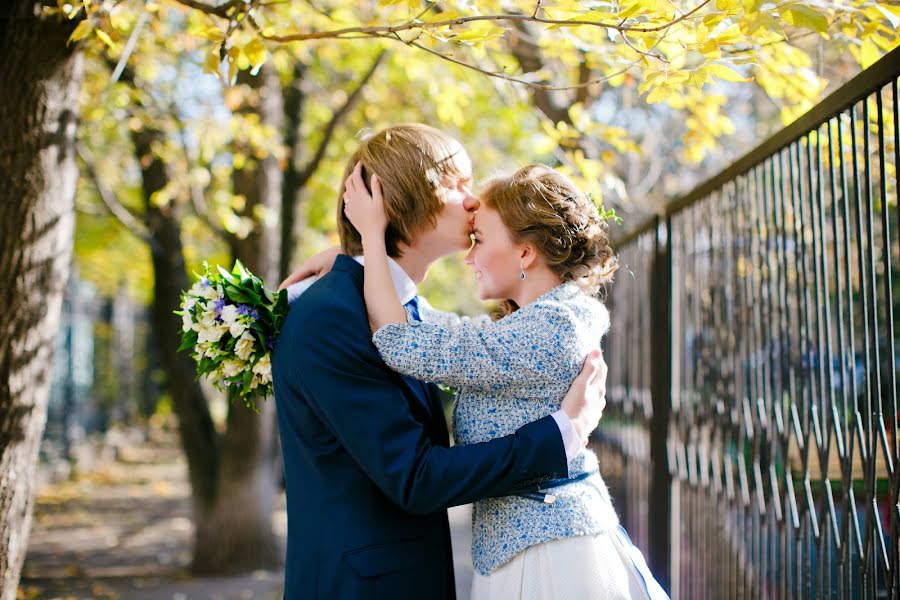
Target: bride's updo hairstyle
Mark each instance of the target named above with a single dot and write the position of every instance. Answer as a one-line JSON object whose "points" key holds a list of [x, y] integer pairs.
{"points": [[543, 207]]}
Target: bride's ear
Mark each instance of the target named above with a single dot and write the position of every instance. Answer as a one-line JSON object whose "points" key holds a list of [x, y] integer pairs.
{"points": [[527, 256]]}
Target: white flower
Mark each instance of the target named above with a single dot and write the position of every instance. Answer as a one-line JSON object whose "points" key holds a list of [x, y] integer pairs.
{"points": [[263, 368], [210, 333], [229, 314], [237, 329], [231, 368], [210, 293], [210, 350], [186, 322], [244, 346]]}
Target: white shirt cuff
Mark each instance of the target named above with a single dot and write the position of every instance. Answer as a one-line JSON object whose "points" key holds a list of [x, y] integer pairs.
{"points": [[569, 436]]}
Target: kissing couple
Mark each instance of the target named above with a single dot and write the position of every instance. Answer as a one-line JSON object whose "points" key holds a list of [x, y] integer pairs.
{"points": [[368, 464]]}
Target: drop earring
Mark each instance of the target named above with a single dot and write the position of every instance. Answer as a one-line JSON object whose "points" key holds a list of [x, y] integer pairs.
{"points": [[521, 272]]}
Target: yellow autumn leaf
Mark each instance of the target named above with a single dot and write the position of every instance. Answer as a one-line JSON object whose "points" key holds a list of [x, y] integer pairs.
{"points": [[105, 38], [479, 32], [725, 73], [799, 15], [698, 77], [659, 94], [211, 63], [81, 31], [868, 53], [711, 50], [729, 35], [256, 52], [630, 11], [233, 55]]}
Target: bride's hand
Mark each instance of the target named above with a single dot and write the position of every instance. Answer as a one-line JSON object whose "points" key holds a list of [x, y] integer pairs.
{"points": [[314, 266], [365, 211]]}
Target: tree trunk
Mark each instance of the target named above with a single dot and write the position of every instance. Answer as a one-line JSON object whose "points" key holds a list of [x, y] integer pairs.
{"points": [[294, 100], [239, 524], [40, 76], [260, 181], [232, 480], [198, 435], [235, 533]]}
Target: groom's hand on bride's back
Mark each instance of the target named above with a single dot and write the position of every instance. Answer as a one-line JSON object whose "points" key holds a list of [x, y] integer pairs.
{"points": [[586, 398]]}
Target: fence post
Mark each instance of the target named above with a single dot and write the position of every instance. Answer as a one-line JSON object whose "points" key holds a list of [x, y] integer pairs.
{"points": [[660, 507]]}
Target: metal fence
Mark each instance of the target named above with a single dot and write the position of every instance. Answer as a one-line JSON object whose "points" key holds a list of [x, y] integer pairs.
{"points": [[751, 440]]}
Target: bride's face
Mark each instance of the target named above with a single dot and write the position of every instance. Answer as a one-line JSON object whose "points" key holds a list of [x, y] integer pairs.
{"points": [[494, 257]]}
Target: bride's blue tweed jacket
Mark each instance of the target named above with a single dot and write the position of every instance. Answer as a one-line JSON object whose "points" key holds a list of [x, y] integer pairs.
{"points": [[509, 373]]}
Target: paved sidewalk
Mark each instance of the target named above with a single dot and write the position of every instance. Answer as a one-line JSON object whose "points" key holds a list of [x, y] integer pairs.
{"points": [[123, 532]]}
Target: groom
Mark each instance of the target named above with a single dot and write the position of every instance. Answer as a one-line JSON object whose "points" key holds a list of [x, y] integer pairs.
{"points": [[368, 465]]}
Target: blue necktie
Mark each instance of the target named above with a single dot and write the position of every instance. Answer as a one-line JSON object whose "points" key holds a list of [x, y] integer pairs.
{"points": [[413, 306]]}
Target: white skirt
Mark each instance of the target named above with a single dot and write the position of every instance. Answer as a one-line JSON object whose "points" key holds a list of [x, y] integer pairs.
{"points": [[576, 568]]}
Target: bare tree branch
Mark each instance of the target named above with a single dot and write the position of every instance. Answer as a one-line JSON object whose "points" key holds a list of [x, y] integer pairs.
{"points": [[128, 219], [382, 30], [531, 84], [336, 119], [221, 10], [129, 48]]}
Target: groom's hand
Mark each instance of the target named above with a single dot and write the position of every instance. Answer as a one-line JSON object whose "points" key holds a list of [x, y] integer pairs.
{"points": [[586, 398]]}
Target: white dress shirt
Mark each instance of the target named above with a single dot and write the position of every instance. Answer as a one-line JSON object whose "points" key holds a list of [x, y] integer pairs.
{"points": [[406, 291]]}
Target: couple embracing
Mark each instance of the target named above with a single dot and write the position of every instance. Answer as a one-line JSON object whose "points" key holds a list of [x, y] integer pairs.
{"points": [[368, 464]]}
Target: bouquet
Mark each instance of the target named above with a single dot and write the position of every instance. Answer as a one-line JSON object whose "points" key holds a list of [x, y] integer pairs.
{"points": [[229, 324]]}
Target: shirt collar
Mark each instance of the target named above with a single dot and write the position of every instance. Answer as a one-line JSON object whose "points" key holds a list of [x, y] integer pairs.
{"points": [[406, 289]]}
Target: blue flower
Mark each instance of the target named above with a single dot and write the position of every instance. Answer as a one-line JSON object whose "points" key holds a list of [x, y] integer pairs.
{"points": [[220, 304], [243, 309], [205, 282]]}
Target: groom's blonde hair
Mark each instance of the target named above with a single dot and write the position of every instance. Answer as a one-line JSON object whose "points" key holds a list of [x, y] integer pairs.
{"points": [[411, 160]]}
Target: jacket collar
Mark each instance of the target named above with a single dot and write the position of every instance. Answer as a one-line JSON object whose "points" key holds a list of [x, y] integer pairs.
{"points": [[406, 289]]}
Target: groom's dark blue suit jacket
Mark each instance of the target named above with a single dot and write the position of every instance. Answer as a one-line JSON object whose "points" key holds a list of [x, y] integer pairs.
{"points": [[367, 461]]}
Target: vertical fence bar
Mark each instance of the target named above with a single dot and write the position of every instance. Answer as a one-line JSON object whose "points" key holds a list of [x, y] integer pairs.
{"points": [[660, 559]]}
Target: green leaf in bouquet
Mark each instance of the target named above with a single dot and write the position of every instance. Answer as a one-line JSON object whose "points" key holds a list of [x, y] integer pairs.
{"points": [[241, 271], [204, 366], [261, 339], [236, 294], [227, 276], [269, 296], [254, 297], [281, 306], [188, 340], [249, 403]]}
